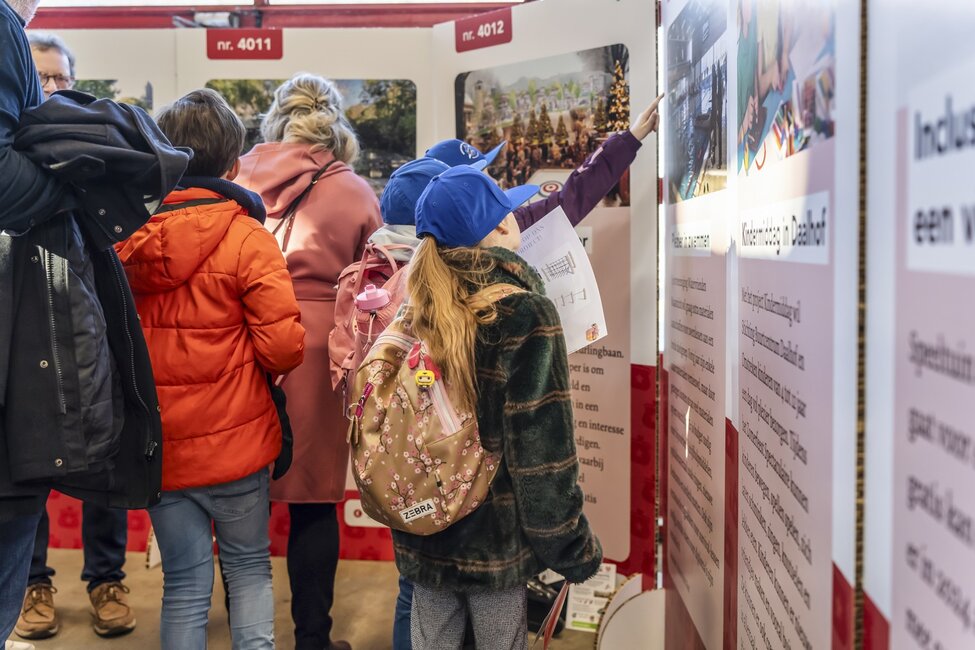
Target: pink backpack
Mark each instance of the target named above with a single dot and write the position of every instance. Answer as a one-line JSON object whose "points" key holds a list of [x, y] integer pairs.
{"points": [[369, 294]]}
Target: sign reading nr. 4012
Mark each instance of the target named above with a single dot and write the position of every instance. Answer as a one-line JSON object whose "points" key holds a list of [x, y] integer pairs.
{"points": [[484, 30], [245, 44]]}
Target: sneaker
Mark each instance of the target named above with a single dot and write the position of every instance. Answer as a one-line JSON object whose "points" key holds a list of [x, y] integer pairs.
{"points": [[38, 618], [17, 645], [112, 615]]}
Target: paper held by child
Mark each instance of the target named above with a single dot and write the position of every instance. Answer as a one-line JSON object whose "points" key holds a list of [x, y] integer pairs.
{"points": [[553, 248]]}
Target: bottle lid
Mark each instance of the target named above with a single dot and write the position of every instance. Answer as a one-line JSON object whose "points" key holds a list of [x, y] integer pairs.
{"points": [[372, 298]]}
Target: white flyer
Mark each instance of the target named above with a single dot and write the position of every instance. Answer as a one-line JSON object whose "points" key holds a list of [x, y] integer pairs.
{"points": [[553, 248], [585, 609]]}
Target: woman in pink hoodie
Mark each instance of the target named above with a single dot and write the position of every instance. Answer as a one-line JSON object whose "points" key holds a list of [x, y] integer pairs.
{"points": [[322, 215]]}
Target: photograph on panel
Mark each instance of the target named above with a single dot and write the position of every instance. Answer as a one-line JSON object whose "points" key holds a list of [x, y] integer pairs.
{"points": [[382, 112], [552, 112], [697, 100], [786, 79], [111, 89]]}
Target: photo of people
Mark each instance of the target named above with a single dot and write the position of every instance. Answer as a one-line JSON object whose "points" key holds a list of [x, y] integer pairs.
{"points": [[786, 79], [553, 113], [697, 100], [109, 89], [382, 111]]}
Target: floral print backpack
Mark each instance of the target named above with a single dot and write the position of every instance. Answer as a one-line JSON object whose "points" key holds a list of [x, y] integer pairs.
{"points": [[417, 460]]}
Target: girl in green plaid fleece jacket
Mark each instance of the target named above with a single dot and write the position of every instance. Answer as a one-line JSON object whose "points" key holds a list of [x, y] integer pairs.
{"points": [[510, 359]]}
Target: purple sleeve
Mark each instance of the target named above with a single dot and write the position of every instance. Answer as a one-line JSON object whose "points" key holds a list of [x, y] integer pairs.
{"points": [[588, 184]]}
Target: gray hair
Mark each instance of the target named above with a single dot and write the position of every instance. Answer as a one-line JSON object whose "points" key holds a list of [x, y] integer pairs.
{"points": [[44, 41], [24, 8], [308, 108]]}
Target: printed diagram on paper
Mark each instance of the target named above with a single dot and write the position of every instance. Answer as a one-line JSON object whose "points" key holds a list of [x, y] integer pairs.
{"points": [[553, 248]]}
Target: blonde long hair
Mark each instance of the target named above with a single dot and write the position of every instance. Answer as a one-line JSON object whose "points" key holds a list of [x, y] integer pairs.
{"points": [[443, 311], [308, 108]]}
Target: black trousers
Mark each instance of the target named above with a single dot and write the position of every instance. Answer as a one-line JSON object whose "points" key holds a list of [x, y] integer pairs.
{"points": [[313, 556], [104, 532]]}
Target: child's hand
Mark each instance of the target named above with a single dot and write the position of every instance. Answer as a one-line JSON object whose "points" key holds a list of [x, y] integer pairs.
{"points": [[646, 123]]}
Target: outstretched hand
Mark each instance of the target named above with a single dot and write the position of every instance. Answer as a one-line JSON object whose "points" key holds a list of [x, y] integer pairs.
{"points": [[647, 121]]}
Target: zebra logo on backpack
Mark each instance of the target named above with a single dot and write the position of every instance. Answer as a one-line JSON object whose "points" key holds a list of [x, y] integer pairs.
{"points": [[417, 459]]}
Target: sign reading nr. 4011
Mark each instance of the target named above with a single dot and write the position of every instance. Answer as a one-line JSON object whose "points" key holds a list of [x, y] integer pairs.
{"points": [[245, 44], [484, 30]]}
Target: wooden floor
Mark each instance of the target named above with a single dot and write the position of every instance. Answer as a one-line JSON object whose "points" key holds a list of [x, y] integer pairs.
{"points": [[366, 593]]}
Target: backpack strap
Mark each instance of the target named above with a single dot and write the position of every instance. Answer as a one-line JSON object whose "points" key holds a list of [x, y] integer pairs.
{"points": [[289, 215]]}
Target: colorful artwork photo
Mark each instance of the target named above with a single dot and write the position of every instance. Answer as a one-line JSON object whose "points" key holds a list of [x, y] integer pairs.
{"points": [[109, 89], [786, 79], [552, 112], [382, 111], [697, 100]]}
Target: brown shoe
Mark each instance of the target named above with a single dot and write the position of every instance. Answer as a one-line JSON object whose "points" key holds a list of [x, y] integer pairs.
{"points": [[38, 619], [339, 645], [112, 615]]}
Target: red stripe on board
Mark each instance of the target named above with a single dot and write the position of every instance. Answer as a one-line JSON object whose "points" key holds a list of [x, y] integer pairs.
{"points": [[730, 618], [642, 426], [843, 611], [876, 628], [679, 630], [662, 454]]}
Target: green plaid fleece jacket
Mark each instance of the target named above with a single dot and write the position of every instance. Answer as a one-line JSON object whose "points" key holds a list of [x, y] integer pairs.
{"points": [[532, 519]]}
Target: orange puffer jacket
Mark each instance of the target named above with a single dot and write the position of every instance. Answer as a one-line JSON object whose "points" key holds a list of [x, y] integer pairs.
{"points": [[218, 309]]}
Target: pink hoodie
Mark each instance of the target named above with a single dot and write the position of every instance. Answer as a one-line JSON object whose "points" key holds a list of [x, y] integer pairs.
{"points": [[330, 230]]}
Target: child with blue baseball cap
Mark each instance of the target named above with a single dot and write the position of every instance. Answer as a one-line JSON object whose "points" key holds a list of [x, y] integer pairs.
{"points": [[505, 363], [581, 192]]}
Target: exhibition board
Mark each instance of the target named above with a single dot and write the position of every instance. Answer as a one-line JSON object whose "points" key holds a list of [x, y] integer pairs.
{"points": [[761, 152], [919, 546], [584, 63]]}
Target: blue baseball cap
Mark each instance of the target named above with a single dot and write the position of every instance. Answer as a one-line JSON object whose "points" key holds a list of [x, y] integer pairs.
{"points": [[462, 205], [458, 152], [406, 184]]}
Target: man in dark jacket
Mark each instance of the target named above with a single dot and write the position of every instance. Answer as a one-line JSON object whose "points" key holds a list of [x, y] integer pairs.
{"points": [[27, 196], [78, 409], [104, 531]]}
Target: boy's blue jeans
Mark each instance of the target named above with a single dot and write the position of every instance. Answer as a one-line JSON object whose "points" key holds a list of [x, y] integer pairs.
{"points": [[238, 512]]}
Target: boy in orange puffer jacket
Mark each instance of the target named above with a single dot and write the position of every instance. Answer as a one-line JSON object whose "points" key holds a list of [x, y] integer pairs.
{"points": [[219, 312]]}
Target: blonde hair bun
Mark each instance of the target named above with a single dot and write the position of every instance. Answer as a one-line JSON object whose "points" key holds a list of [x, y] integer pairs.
{"points": [[308, 108]]}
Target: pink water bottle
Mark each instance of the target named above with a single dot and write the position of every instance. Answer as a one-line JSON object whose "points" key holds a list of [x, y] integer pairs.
{"points": [[372, 299]]}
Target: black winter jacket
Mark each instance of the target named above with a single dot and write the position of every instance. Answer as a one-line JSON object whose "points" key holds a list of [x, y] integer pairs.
{"points": [[80, 412]]}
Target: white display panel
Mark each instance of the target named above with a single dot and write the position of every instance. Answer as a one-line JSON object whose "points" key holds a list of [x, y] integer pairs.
{"points": [[919, 548], [787, 211], [140, 62]]}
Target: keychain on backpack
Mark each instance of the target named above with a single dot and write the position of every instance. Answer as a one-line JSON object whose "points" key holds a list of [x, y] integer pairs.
{"points": [[424, 377]]}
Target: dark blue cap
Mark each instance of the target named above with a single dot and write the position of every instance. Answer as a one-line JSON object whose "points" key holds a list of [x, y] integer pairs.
{"points": [[458, 152], [406, 184], [462, 205]]}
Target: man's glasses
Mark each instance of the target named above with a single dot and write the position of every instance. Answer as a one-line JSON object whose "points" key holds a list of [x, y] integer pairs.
{"points": [[60, 81]]}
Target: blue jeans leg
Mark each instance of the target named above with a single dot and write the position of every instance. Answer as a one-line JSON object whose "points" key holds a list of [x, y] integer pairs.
{"points": [[240, 518], [401, 621], [183, 531], [104, 532], [16, 545]]}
